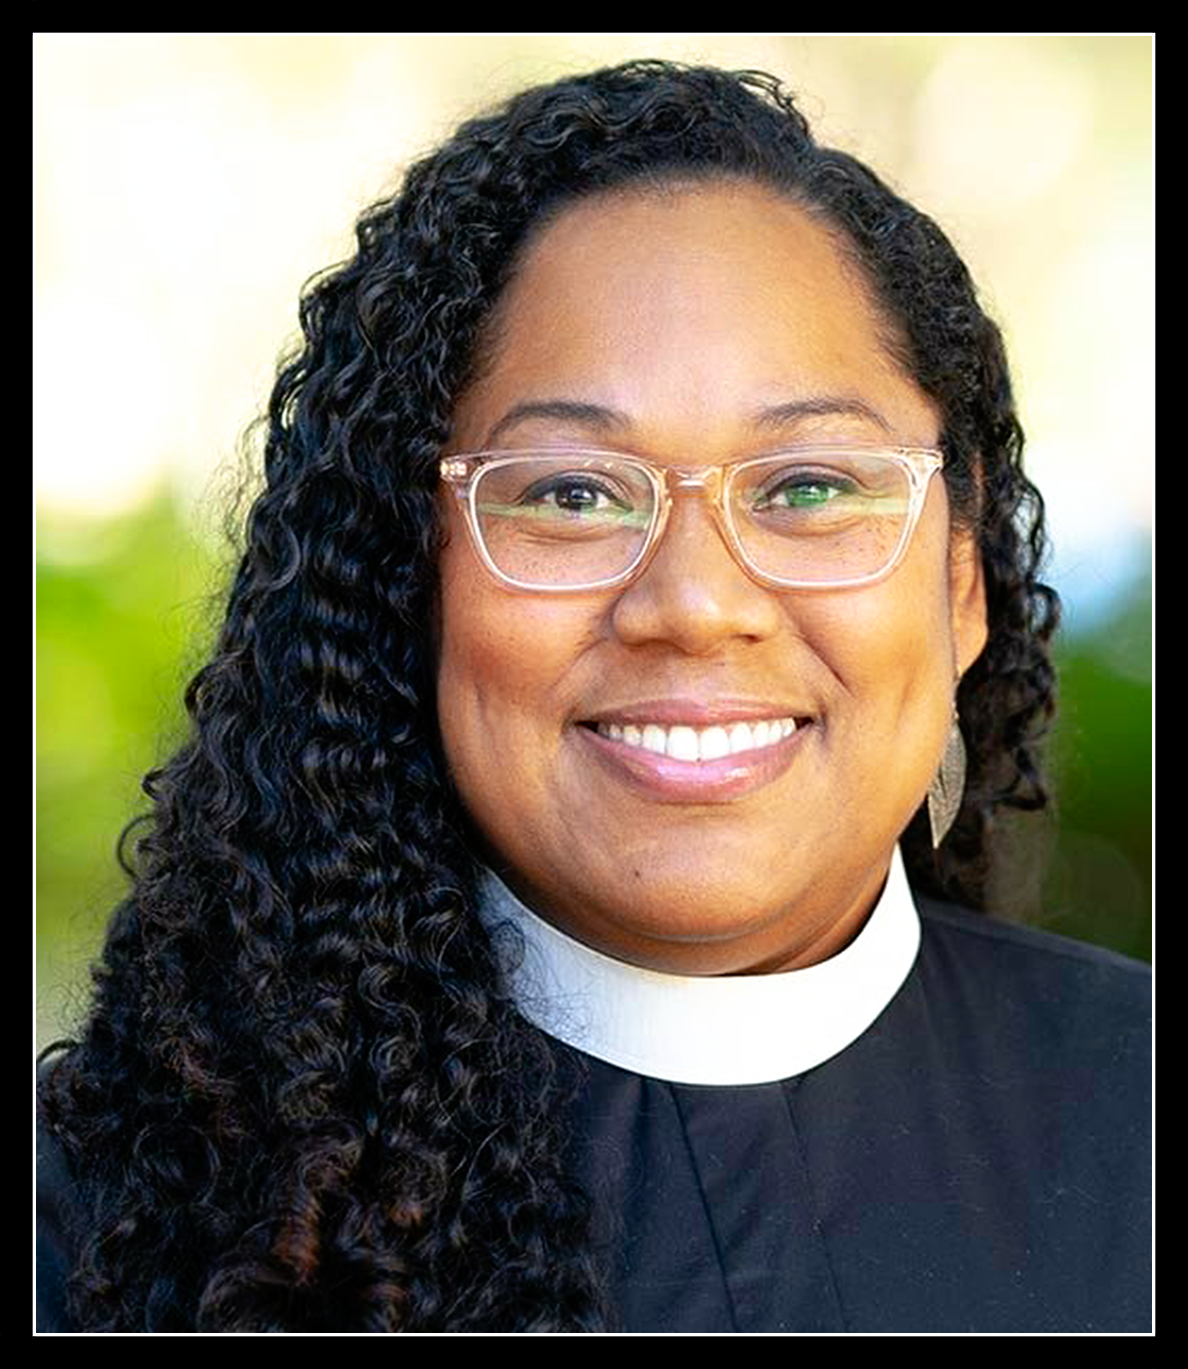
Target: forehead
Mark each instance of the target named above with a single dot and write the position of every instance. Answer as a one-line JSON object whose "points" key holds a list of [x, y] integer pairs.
{"points": [[689, 307]]}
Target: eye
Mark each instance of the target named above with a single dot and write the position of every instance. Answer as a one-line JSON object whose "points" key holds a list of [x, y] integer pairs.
{"points": [[575, 494], [801, 489]]}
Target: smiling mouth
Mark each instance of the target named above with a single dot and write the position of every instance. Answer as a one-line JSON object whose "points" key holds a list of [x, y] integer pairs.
{"points": [[700, 744], [696, 761]]}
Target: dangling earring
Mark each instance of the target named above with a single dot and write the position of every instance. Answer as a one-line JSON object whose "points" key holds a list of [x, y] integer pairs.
{"points": [[948, 788]]}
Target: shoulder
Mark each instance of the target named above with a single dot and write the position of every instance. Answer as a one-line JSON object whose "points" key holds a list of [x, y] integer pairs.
{"points": [[1046, 992], [1022, 948], [1022, 1062]]}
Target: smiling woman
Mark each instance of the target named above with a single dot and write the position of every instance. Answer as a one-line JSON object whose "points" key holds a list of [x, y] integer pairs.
{"points": [[636, 639], [688, 316]]}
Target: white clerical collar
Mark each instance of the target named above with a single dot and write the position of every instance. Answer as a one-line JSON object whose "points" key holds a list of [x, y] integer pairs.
{"points": [[733, 1029]]}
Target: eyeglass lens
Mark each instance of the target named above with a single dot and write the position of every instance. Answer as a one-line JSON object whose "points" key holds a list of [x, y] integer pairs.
{"points": [[575, 520]]}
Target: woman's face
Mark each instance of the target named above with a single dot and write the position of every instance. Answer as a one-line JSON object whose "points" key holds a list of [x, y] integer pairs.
{"points": [[679, 322]]}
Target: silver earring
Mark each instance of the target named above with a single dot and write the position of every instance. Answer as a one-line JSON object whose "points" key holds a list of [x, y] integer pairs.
{"points": [[947, 789]]}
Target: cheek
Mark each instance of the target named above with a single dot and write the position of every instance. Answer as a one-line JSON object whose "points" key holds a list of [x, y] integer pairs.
{"points": [[890, 650], [892, 646], [474, 663], [508, 684], [504, 677], [903, 633]]}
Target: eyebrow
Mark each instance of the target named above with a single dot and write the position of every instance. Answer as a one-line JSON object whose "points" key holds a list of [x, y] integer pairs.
{"points": [[566, 410], [822, 406], [604, 419]]}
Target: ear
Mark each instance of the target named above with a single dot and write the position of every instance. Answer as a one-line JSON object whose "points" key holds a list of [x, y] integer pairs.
{"points": [[967, 599]]}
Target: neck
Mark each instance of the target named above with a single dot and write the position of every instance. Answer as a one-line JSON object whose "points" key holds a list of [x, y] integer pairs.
{"points": [[728, 1029]]}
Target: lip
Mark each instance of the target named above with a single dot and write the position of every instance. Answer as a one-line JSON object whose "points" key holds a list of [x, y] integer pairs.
{"points": [[667, 780]]}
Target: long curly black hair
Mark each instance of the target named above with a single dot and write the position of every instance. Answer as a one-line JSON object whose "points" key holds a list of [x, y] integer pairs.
{"points": [[301, 1099]]}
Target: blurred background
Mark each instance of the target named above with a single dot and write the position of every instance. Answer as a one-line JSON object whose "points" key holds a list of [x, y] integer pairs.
{"points": [[186, 186]]}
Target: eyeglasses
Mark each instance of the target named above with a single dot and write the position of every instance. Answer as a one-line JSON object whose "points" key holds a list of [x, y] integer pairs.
{"points": [[560, 520]]}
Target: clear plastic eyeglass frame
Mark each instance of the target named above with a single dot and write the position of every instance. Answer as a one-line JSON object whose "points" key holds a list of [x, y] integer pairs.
{"points": [[461, 472]]}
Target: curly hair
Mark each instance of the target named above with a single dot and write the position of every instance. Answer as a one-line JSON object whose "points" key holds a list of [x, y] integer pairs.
{"points": [[302, 1099]]}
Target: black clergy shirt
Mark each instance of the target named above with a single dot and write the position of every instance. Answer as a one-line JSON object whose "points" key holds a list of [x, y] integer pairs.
{"points": [[976, 1159]]}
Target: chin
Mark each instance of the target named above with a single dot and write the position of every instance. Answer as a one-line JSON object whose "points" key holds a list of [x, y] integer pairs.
{"points": [[678, 916]]}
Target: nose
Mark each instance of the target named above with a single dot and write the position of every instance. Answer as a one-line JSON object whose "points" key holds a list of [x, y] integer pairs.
{"points": [[693, 594]]}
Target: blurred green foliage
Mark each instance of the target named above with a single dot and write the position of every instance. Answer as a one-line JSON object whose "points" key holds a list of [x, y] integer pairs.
{"points": [[124, 614], [1099, 878], [126, 610]]}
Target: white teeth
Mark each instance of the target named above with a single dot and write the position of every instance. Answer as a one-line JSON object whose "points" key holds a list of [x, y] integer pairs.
{"points": [[683, 743], [713, 744], [740, 738], [654, 739]]}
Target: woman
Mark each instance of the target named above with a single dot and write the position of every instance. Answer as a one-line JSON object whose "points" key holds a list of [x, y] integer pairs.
{"points": [[644, 594]]}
